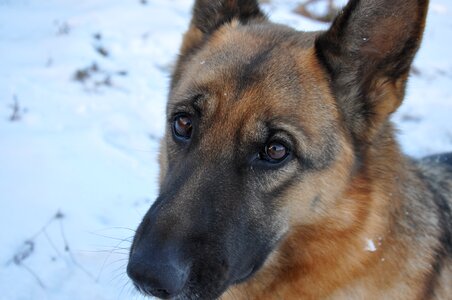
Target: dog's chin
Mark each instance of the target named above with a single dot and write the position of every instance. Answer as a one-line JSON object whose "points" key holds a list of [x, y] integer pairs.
{"points": [[245, 275], [214, 289]]}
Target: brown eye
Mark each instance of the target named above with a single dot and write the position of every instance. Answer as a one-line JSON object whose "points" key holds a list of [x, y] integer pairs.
{"points": [[183, 126], [276, 151]]}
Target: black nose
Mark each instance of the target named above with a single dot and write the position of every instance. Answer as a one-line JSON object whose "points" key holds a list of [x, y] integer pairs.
{"points": [[161, 278]]}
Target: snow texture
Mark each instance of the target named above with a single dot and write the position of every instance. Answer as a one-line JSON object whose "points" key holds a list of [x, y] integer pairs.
{"points": [[83, 87]]}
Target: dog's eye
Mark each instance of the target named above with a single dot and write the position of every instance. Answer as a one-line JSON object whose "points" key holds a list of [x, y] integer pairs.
{"points": [[183, 126], [275, 152]]}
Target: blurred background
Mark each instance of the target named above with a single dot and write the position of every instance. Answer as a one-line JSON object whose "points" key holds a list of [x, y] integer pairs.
{"points": [[83, 87]]}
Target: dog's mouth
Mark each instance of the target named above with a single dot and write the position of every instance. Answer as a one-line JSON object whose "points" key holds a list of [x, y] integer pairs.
{"points": [[216, 289], [197, 290], [213, 290], [250, 272]]}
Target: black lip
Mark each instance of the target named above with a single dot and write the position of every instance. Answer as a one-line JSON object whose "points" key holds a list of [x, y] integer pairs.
{"points": [[215, 293], [246, 275]]}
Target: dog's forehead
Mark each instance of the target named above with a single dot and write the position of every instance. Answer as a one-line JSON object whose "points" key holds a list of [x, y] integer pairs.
{"points": [[239, 59], [235, 49]]}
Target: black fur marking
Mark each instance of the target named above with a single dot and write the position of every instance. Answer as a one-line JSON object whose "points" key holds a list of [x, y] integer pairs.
{"points": [[329, 42], [209, 15], [320, 158], [320, 46], [444, 158], [283, 187], [401, 62], [445, 238], [253, 71]]}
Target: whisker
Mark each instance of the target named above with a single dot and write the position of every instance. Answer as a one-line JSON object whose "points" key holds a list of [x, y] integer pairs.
{"points": [[109, 255]]}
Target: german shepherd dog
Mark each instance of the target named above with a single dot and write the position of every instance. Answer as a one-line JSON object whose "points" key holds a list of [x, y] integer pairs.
{"points": [[280, 174]]}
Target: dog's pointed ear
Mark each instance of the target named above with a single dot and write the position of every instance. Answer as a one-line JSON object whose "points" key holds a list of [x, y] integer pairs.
{"points": [[209, 15], [368, 52]]}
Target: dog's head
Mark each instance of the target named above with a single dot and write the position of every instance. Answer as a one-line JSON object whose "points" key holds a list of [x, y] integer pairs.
{"points": [[266, 126]]}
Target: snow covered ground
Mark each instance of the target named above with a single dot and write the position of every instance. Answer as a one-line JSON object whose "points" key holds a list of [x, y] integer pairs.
{"points": [[83, 87]]}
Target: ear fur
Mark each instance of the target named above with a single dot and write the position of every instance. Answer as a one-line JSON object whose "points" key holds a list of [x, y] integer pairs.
{"points": [[368, 52], [209, 15]]}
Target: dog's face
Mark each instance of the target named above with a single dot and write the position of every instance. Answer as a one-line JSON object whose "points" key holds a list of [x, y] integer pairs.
{"points": [[256, 143]]}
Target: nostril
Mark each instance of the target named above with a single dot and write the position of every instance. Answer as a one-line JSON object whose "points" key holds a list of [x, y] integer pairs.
{"points": [[161, 293], [156, 292]]}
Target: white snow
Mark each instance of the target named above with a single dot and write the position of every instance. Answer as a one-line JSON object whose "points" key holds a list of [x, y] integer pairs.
{"points": [[78, 163], [370, 246]]}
